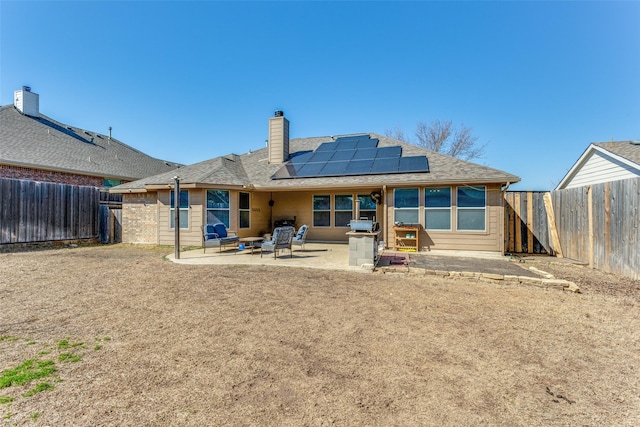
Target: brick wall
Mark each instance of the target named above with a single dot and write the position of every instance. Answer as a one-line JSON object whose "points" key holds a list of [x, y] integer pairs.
{"points": [[15, 172], [140, 218]]}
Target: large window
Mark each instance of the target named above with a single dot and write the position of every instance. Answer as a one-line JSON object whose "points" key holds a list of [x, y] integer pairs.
{"points": [[437, 208], [321, 211], [343, 210], [244, 207], [218, 207], [184, 210], [472, 208], [406, 202], [367, 207]]}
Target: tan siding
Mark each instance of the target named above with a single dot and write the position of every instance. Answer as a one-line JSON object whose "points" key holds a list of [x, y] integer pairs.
{"points": [[300, 204], [488, 240], [188, 237]]}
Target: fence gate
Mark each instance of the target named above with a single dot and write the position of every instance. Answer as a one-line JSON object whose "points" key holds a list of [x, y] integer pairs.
{"points": [[526, 225]]}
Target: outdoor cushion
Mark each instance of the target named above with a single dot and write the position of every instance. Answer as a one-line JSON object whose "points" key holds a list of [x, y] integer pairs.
{"points": [[216, 235], [220, 230], [301, 236]]}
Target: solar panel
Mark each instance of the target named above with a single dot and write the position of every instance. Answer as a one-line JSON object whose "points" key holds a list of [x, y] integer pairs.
{"points": [[389, 152], [302, 158], [321, 156], [334, 169], [413, 164], [359, 167], [385, 165], [327, 146], [343, 155], [347, 144], [365, 153], [310, 169], [352, 155], [367, 143]]}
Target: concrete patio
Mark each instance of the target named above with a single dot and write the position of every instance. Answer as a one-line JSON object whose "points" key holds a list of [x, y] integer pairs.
{"points": [[335, 256], [329, 256]]}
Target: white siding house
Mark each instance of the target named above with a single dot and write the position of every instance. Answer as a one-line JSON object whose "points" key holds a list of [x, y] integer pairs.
{"points": [[604, 162]]}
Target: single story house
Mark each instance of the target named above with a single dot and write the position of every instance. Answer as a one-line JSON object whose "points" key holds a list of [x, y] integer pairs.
{"points": [[604, 162], [324, 182], [35, 147]]}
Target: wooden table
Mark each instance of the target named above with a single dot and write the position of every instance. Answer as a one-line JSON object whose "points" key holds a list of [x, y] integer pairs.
{"points": [[250, 242]]}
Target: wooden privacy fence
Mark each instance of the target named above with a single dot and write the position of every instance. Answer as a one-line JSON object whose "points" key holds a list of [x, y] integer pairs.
{"points": [[598, 225], [526, 224], [32, 211]]}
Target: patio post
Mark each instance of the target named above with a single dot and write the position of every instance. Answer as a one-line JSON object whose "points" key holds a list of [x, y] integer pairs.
{"points": [[176, 210]]}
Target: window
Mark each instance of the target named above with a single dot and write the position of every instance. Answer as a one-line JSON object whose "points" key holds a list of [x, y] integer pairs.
{"points": [[343, 210], [471, 208], [367, 207], [184, 210], [218, 207], [437, 208], [112, 182], [321, 211], [245, 210], [406, 202]]}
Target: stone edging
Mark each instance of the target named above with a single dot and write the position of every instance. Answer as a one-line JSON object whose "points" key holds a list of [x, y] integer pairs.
{"points": [[547, 281]]}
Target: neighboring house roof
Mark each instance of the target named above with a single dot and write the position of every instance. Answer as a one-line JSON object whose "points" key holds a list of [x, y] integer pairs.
{"points": [[43, 143], [604, 162], [252, 170]]}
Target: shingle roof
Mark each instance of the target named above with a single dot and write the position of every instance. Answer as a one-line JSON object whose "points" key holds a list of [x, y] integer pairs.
{"points": [[43, 143], [630, 150], [253, 169]]}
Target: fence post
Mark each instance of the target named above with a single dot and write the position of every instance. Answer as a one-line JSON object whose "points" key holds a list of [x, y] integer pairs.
{"points": [[553, 230], [590, 220]]}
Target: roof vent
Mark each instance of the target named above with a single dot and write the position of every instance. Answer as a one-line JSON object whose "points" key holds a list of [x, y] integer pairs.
{"points": [[279, 113]]}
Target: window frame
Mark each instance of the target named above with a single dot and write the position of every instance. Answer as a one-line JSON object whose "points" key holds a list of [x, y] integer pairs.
{"points": [[336, 210], [371, 214], [218, 208], [321, 211], [246, 211], [428, 209], [184, 211], [468, 209], [406, 209]]}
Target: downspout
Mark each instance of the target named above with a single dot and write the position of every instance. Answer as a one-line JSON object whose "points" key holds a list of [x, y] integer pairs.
{"points": [[502, 242], [385, 215]]}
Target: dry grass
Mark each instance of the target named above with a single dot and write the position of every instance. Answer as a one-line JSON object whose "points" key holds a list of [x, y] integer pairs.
{"points": [[205, 345]]}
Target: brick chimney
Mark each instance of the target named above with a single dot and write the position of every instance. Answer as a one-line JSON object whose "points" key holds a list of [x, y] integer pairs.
{"points": [[278, 138], [27, 102]]}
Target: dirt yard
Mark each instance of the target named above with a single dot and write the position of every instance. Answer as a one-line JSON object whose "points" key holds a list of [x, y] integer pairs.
{"points": [[139, 341]]}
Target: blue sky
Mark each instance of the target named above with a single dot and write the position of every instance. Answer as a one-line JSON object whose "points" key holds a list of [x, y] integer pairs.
{"points": [[189, 81]]}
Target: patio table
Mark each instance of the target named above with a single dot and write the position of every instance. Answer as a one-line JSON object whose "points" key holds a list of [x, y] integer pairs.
{"points": [[250, 242]]}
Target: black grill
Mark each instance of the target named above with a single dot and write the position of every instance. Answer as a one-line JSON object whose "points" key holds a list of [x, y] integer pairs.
{"points": [[284, 223]]}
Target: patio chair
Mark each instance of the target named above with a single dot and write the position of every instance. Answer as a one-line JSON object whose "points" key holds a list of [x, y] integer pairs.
{"points": [[300, 237], [282, 237], [217, 236]]}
